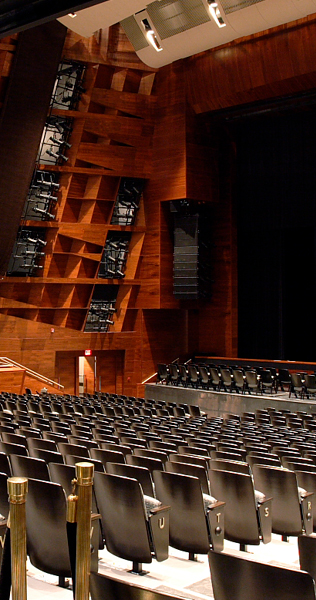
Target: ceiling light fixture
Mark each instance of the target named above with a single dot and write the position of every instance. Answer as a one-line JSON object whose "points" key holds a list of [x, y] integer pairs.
{"points": [[151, 36], [216, 13]]}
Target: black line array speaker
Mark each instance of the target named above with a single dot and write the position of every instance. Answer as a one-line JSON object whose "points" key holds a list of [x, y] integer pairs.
{"points": [[186, 257]]}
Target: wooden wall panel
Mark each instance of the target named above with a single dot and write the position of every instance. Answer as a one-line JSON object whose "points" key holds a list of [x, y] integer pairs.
{"points": [[67, 372], [164, 338], [278, 62]]}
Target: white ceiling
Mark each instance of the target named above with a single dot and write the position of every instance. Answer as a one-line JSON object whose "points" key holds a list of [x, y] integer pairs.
{"points": [[255, 18]]}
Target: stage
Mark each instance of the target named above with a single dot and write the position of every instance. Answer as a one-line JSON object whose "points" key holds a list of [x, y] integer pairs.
{"points": [[221, 403]]}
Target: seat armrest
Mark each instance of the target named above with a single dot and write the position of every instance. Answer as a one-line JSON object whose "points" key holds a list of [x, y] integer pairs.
{"points": [[215, 520], [307, 511], [264, 515], [163, 507]]}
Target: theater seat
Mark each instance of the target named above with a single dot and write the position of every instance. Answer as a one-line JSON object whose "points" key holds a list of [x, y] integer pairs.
{"points": [[129, 533], [246, 521], [292, 512], [102, 586], [47, 542], [194, 528], [236, 578]]}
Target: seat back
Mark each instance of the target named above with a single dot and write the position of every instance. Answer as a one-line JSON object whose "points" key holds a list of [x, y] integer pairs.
{"points": [[40, 443], [190, 458], [4, 502], [229, 465], [102, 586], [121, 505], [236, 490], [307, 481], [188, 528], [189, 469], [163, 456], [47, 455], [141, 474], [46, 528], [14, 438], [26, 466], [107, 456], [152, 464], [250, 580], [281, 485], [9, 448], [62, 474], [65, 448], [5, 466]]}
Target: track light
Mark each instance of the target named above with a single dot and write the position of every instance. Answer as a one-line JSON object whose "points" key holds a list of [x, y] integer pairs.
{"points": [[216, 13], [120, 274], [109, 322], [61, 126], [43, 212], [59, 142], [109, 257], [151, 36], [55, 155], [48, 197]]}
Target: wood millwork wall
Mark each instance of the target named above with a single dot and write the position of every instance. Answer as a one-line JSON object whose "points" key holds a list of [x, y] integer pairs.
{"points": [[269, 64], [133, 121]]}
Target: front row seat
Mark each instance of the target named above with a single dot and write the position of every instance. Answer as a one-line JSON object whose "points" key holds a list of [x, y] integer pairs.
{"points": [[196, 519], [248, 518], [243, 579], [135, 526]]}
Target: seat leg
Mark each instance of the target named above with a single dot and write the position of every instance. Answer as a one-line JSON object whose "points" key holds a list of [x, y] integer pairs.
{"points": [[243, 547], [137, 569], [285, 538], [63, 582], [192, 556]]}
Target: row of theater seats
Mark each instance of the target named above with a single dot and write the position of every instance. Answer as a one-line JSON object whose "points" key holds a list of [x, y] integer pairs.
{"points": [[237, 379], [199, 467], [247, 580]]}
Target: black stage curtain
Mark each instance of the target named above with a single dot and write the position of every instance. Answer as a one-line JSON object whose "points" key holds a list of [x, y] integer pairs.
{"points": [[276, 207]]}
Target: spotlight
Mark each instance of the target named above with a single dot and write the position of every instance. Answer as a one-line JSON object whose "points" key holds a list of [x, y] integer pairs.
{"points": [[34, 253], [28, 239], [43, 212], [59, 142], [216, 13], [151, 36], [48, 197], [109, 322], [55, 155]]}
